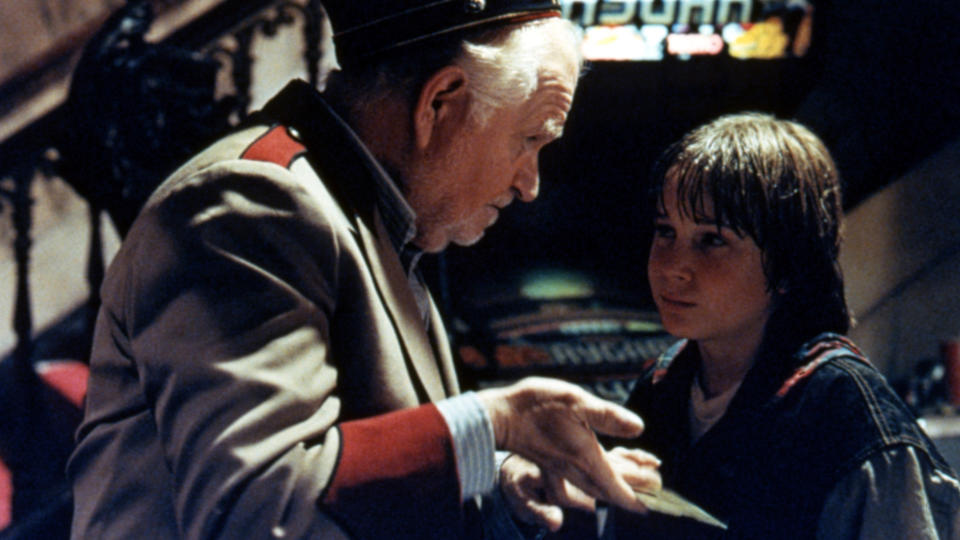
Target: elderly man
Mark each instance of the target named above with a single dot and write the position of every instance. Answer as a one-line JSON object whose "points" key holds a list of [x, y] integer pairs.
{"points": [[268, 362]]}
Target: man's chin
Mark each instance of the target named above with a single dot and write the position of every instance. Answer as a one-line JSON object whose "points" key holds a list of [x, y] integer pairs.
{"points": [[438, 243], [468, 240]]}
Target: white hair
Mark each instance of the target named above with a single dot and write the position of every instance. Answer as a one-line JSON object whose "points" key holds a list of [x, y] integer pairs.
{"points": [[506, 69]]}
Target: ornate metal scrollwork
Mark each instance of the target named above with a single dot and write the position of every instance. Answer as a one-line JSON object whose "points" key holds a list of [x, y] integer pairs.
{"points": [[135, 111], [269, 23], [161, 109]]}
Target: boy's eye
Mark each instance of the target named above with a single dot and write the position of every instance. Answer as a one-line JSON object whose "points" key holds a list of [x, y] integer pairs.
{"points": [[663, 231], [712, 240]]}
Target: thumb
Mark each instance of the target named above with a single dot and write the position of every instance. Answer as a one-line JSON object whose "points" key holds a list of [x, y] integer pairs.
{"points": [[611, 419], [545, 514]]}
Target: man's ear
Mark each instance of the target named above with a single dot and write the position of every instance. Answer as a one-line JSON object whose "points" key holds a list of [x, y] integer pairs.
{"points": [[443, 98]]}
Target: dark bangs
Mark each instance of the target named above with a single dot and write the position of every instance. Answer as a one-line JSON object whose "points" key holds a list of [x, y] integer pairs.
{"points": [[704, 175]]}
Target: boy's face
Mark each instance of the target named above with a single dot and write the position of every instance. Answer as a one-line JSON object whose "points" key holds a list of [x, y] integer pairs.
{"points": [[708, 282]]}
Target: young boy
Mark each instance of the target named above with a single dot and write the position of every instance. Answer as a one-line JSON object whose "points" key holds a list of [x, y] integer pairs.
{"points": [[764, 414]]}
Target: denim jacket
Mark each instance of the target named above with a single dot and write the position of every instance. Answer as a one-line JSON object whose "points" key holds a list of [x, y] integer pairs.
{"points": [[791, 433]]}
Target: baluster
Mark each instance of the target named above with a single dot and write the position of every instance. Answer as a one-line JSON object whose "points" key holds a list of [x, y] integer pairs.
{"points": [[22, 223], [242, 68], [95, 272], [312, 35]]}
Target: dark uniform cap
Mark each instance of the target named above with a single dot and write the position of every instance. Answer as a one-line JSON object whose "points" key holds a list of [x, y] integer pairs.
{"points": [[364, 28]]}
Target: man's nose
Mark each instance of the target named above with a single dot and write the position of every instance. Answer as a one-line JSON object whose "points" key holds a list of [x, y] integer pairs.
{"points": [[527, 180]]}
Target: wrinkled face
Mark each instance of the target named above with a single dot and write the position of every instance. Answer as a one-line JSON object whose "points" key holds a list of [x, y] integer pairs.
{"points": [[484, 168], [708, 282]]}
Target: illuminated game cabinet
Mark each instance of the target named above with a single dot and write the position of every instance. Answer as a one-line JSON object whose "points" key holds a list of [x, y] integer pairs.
{"points": [[654, 29]]}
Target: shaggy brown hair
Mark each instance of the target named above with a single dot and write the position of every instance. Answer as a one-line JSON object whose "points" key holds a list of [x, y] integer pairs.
{"points": [[774, 181]]}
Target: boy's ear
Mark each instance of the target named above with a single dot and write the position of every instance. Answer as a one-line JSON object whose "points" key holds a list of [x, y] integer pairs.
{"points": [[783, 286], [443, 98]]}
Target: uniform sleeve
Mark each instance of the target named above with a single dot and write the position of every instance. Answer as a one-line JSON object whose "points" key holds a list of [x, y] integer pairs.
{"points": [[229, 313], [896, 494]]}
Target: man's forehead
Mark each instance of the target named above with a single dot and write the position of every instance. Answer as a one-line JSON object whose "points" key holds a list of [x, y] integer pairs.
{"points": [[548, 106]]}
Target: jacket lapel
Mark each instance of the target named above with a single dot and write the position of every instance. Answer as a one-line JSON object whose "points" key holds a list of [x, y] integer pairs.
{"points": [[441, 344], [344, 168], [396, 295]]}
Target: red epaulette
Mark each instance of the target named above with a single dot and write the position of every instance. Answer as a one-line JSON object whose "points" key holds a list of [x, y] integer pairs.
{"points": [[819, 353], [659, 367], [278, 145]]}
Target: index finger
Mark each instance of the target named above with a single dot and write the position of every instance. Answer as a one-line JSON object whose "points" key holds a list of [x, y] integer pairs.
{"points": [[611, 419]]}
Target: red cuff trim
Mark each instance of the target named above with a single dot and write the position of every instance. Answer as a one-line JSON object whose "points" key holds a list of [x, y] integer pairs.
{"points": [[396, 476]]}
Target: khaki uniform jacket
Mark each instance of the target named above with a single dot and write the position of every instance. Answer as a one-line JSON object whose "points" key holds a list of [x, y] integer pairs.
{"points": [[256, 328]]}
